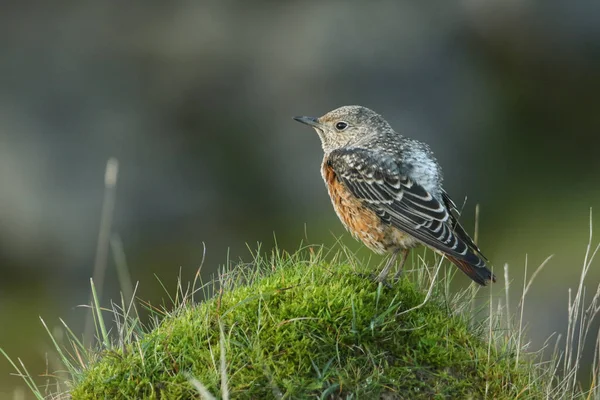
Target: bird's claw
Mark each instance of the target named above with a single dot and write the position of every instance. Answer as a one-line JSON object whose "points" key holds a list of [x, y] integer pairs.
{"points": [[377, 279]]}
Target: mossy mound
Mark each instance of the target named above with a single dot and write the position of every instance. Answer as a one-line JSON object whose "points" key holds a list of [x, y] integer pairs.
{"points": [[311, 329]]}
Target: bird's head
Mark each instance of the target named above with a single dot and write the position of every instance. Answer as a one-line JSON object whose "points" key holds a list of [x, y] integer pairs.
{"points": [[347, 126]]}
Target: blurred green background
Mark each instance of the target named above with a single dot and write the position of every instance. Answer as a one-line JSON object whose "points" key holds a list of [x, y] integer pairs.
{"points": [[195, 100]]}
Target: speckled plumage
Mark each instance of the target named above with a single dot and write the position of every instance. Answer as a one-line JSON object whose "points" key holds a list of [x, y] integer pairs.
{"points": [[387, 190]]}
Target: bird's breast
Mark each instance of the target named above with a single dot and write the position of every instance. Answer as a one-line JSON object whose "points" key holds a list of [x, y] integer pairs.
{"points": [[362, 222]]}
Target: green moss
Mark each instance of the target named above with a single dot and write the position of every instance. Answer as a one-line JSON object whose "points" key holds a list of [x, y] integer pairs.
{"points": [[310, 329]]}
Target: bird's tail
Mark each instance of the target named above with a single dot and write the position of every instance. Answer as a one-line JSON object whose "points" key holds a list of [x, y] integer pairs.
{"points": [[479, 274]]}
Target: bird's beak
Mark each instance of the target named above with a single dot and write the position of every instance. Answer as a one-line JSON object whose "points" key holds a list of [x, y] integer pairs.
{"points": [[311, 121]]}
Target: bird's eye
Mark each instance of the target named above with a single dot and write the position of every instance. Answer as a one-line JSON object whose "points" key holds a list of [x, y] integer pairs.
{"points": [[340, 126]]}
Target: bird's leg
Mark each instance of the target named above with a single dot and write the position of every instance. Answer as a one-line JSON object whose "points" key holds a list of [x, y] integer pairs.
{"points": [[386, 270], [399, 271]]}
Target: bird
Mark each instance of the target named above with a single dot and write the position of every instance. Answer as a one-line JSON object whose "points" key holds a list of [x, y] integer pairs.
{"points": [[386, 189]]}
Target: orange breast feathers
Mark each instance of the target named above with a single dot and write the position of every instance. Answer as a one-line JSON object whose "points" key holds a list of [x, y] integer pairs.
{"points": [[359, 220]]}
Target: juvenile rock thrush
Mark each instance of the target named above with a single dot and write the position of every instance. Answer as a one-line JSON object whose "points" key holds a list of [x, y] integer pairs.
{"points": [[387, 190]]}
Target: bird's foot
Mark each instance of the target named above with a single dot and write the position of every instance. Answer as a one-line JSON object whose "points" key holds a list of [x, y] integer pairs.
{"points": [[377, 279], [398, 275], [383, 281]]}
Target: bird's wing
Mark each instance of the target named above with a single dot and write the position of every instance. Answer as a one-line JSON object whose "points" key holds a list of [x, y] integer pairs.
{"points": [[379, 182], [457, 227]]}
